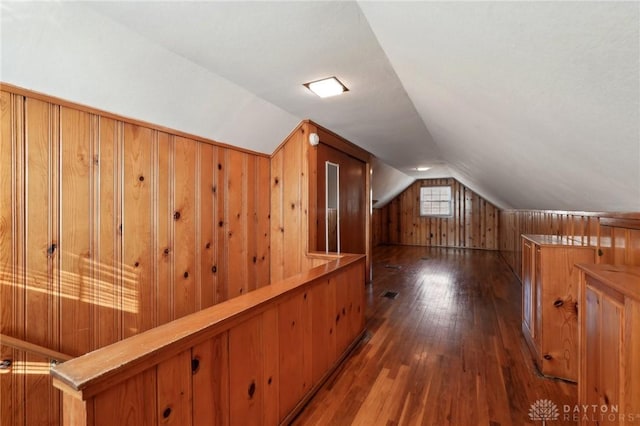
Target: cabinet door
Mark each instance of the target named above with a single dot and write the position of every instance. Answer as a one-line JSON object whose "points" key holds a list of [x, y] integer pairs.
{"points": [[602, 334], [528, 303], [591, 348], [536, 292], [610, 361]]}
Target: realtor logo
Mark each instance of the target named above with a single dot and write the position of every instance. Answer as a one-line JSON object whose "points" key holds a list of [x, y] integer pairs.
{"points": [[544, 409]]}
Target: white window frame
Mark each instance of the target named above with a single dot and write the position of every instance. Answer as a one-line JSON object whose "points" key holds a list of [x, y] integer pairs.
{"points": [[436, 201]]}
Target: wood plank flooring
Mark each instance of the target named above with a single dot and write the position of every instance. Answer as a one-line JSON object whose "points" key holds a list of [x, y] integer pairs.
{"points": [[447, 351]]}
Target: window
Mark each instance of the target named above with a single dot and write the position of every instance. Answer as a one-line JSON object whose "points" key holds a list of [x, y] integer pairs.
{"points": [[435, 201]]}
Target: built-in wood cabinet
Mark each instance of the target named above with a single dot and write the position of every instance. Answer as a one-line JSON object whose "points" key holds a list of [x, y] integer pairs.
{"points": [[549, 301], [609, 343]]}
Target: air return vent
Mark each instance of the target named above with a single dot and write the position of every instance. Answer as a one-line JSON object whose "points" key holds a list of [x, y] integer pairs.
{"points": [[390, 294]]}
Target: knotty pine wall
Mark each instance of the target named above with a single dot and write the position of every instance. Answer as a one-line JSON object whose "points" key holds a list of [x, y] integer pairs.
{"points": [[611, 233], [294, 206], [109, 227], [289, 204], [474, 223]]}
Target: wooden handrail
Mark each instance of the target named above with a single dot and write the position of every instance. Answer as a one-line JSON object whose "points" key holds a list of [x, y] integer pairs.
{"points": [[93, 372], [33, 348]]}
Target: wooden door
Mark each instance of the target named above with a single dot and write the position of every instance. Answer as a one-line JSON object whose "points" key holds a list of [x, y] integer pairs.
{"points": [[353, 200]]}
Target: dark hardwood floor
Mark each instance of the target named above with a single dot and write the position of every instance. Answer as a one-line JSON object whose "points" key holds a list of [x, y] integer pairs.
{"points": [[447, 351]]}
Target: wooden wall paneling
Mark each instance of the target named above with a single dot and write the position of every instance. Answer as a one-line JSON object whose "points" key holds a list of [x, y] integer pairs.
{"points": [[42, 259], [342, 327], [12, 277], [315, 205], [237, 232], [206, 233], [317, 226], [322, 306], [246, 372], [631, 348], [394, 222], [291, 334], [138, 295], [271, 363], [77, 284], [132, 403], [263, 211], [250, 187], [633, 247], [605, 244], [174, 388], [474, 223], [357, 303], [107, 315], [164, 246], [291, 207], [211, 382], [276, 237], [469, 210], [185, 382], [77, 412], [185, 220], [375, 227], [616, 243], [222, 246]]}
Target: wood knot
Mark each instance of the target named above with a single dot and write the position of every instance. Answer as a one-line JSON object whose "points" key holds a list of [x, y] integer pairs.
{"points": [[141, 178], [176, 215], [195, 365]]}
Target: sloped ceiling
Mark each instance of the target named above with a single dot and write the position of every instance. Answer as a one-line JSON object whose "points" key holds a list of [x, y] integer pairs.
{"points": [[532, 105]]}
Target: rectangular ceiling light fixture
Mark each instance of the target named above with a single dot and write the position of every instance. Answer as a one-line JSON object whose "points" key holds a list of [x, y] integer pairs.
{"points": [[327, 87]]}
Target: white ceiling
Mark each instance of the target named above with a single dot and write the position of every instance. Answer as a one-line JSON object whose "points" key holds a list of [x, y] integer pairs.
{"points": [[533, 105]]}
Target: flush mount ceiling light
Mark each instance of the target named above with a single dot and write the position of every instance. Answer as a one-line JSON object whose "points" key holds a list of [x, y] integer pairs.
{"points": [[422, 169], [326, 87]]}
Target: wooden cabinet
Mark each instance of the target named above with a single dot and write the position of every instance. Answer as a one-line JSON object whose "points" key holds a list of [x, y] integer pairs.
{"points": [[609, 343], [549, 301]]}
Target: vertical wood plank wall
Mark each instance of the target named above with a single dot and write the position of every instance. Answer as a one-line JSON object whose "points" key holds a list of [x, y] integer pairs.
{"points": [[616, 244], [253, 362], [109, 227], [289, 204], [474, 223], [294, 192]]}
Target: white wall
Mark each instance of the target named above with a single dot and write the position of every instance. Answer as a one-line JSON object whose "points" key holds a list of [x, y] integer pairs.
{"points": [[66, 50]]}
